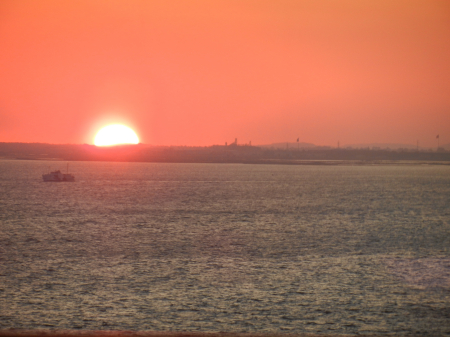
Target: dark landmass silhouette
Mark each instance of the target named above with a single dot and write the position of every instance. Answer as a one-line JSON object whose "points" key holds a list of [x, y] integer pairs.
{"points": [[291, 145], [394, 146], [219, 154], [372, 146]]}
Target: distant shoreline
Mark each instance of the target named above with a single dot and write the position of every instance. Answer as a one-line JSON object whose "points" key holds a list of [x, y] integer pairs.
{"points": [[243, 154], [270, 162]]}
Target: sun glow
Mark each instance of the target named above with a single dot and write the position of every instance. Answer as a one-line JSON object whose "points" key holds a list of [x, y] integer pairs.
{"points": [[115, 134]]}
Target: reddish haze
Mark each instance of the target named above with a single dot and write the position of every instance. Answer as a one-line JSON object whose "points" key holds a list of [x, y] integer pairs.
{"points": [[205, 72]]}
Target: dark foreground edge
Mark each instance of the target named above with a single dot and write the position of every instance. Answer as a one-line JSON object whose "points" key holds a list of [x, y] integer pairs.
{"points": [[102, 333]]}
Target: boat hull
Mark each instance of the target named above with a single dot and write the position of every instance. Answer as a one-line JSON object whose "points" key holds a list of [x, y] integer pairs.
{"points": [[57, 176]]}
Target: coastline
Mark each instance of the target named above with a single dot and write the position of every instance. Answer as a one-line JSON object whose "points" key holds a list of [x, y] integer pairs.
{"points": [[267, 162], [231, 154]]}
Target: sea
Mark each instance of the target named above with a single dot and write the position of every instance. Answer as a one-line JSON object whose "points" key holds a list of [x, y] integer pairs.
{"points": [[321, 249]]}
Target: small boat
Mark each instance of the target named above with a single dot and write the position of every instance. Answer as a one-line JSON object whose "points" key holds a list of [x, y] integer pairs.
{"points": [[57, 176]]}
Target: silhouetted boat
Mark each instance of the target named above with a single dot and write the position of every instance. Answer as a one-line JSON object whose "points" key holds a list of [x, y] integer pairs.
{"points": [[57, 176]]}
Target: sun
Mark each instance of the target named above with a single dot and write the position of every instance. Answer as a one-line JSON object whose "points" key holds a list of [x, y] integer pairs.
{"points": [[115, 134]]}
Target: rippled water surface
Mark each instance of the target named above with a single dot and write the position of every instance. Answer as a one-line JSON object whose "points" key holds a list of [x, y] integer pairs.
{"points": [[266, 248]]}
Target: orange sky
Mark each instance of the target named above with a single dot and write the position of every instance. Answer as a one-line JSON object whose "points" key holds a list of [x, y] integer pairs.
{"points": [[206, 72]]}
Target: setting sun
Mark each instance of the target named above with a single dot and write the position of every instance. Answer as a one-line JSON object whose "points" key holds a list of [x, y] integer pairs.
{"points": [[115, 134]]}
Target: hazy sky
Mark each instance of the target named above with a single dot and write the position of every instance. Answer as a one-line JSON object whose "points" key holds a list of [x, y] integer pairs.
{"points": [[206, 72]]}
